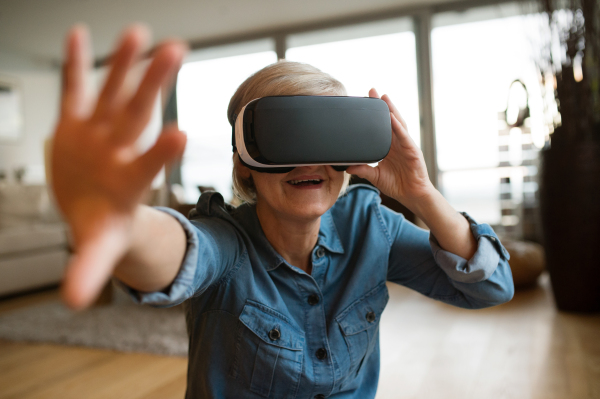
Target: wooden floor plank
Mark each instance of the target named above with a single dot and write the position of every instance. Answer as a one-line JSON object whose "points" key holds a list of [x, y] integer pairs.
{"points": [[58, 364], [174, 389], [17, 353], [123, 376]]}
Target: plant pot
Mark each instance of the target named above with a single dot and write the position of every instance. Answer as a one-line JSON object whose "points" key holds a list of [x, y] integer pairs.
{"points": [[570, 210]]}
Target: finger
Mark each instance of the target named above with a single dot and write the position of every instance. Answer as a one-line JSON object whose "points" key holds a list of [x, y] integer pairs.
{"points": [[75, 69], [167, 91], [401, 133], [131, 45], [165, 64], [90, 269], [373, 93], [394, 110], [169, 146], [365, 172]]}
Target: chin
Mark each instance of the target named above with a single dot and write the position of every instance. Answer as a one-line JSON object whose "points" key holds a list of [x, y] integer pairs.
{"points": [[312, 211]]}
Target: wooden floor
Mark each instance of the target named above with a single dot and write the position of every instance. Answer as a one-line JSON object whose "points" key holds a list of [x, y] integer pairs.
{"points": [[523, 349]]}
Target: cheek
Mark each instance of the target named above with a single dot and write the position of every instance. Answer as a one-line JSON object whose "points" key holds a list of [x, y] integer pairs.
{"points": [[267, 185], [338, 180]]}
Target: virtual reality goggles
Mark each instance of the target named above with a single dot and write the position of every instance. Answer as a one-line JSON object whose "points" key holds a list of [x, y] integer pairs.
{"points": [[276, 134]]}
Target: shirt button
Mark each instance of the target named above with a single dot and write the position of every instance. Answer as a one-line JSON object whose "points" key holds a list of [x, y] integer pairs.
{"points": [[371, 316], [274, 334], [321, 353], [313, 299], [320, 252], [320, 396]]}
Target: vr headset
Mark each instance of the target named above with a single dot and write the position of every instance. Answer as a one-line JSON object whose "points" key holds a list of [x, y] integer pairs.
{"points": [[277, 134]]}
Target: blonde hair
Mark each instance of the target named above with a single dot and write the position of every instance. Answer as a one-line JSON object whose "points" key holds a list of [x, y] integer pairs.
{"points": [[283, 78]]}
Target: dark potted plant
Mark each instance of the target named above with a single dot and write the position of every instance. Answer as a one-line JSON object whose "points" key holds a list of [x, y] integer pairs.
{"points": [[570, 173]]}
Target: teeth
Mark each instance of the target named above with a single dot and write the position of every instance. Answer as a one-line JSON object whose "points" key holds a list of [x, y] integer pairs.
{"points": [[302, 181]]}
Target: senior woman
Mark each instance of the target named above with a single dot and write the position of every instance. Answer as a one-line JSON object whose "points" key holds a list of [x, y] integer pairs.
{"points": [[284, 293]]}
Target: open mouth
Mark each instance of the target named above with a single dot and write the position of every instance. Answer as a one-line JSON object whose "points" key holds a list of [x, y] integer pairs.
{"points": [[307, 182]]}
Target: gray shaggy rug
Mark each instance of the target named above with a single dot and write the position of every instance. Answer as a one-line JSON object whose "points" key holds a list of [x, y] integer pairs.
{"points": [[121, 327]]}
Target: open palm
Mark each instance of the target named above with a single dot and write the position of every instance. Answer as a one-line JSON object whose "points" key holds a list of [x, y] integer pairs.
{"points": [[97, 175]]}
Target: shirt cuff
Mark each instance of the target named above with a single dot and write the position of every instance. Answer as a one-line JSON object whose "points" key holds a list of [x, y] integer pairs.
{"points": [[182, 286], [483, 263]]}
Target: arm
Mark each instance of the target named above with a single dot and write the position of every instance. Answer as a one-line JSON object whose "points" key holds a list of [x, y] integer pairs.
{"points": [[99, 179], [449, 227], [403, 176], [158, 246], [212, 248], [417, 261], [459, 261]]}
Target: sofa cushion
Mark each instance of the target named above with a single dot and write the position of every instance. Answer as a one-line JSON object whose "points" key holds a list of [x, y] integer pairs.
{"points": [[29, 237], [28, 203]]}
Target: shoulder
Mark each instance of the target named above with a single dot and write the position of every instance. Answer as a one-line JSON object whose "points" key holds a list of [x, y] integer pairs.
{"points": [[358, 195], [360, 207], [213, 216], [360, 202], [211, 203]]}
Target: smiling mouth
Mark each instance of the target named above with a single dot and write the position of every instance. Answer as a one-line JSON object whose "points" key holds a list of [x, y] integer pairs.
{"points": [[307, 182]]}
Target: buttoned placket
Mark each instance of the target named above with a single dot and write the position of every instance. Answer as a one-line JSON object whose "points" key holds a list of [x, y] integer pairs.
{"points": [[319, 265], [318, 349]]}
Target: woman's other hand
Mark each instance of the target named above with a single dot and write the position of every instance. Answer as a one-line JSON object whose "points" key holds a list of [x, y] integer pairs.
{"points": [[97, 175], [402, 174]]}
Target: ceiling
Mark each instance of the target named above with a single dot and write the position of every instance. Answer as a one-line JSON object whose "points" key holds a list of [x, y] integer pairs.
{"points": [[35, 28]]}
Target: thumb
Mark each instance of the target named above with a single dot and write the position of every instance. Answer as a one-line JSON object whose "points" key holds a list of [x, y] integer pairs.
{"points": [[365, 172], [91, 267]]}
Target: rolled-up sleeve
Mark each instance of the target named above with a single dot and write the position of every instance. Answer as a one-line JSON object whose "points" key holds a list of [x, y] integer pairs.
{"points": [[418, 261], [483, 263], [212, 248]]}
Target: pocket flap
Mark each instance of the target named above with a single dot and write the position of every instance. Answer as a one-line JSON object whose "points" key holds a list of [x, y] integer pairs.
{"points": [[261, 320], [365, 312]]}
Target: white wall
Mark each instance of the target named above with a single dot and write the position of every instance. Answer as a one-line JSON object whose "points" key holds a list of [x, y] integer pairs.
{"points": [[40, 84]]}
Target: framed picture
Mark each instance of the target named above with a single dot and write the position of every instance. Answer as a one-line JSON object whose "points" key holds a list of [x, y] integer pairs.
{"points": [[11, 109]]}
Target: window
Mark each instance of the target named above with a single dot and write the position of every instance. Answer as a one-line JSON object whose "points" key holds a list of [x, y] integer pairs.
{"points": [[476, 55], [205, 85], [380, 55]]}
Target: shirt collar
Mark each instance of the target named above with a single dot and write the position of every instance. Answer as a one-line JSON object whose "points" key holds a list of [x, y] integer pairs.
{"points": [[328, 235], [269, 257], [265, 252]]}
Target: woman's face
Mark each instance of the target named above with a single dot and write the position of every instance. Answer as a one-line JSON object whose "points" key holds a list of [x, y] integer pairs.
{"points": [[305, 193]]}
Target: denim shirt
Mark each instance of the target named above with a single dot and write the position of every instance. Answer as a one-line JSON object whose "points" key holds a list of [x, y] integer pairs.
{"points": [[262, 328]]}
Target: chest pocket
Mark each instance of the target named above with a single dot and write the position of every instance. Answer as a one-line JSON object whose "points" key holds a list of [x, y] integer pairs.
{"points": [[268, 358], [359, 323]]}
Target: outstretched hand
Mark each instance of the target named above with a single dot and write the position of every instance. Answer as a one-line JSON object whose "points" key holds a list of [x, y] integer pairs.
{"points": [[402, 174], [97, 175]]}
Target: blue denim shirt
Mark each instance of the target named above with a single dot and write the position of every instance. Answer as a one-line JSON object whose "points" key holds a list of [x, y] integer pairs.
{"points": [[262, 328]]}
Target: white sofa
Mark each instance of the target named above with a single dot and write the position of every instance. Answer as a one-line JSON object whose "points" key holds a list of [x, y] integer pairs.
{"points": [[33, 240]]}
